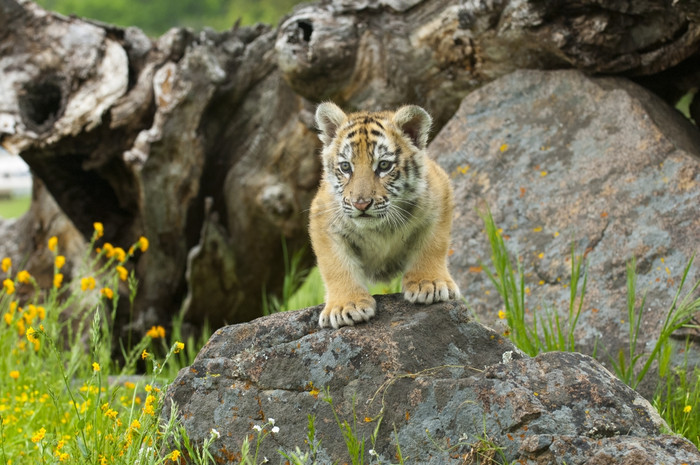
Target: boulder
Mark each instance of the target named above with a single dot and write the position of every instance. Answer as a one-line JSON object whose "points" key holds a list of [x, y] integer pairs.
{"points": [[426, 377], [560, 157]]}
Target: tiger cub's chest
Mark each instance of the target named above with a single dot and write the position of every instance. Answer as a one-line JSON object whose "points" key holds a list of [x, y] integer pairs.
{"points": [[382, 254]]}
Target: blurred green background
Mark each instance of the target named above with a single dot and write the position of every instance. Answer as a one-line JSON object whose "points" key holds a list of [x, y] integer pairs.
{"points": [[155, 17]]}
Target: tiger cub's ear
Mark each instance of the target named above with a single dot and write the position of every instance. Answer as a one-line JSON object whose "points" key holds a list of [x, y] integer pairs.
{"points": [[329, 117], [415, 123]]}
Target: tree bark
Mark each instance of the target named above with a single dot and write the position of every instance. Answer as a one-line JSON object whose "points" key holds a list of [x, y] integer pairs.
{"points": [[204, 142]]}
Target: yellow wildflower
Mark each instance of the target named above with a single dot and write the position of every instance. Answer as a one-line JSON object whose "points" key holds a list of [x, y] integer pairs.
{"points": [[129, 385], [111, 413], [175, 455], [119, 254], [178, 346], [156, 332], [53, 243], [687, 408], [143, 243], [30, 334], [95, 366], [23, 276], [108, 250], [122, 272], [99, 229], [87, 283], [8, 318], [135, 424], [41, 311], [14, 374], [144, 354], [9, 286], [6, 264], [60, 261], [39, 435], [103, 460], [107, 292], [501, 314], [57, 280], [62, 456], [148, 408], [30, 313]]}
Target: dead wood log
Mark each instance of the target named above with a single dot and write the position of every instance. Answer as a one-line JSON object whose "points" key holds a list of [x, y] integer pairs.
{"points": [[204, 142], [374, 54]]}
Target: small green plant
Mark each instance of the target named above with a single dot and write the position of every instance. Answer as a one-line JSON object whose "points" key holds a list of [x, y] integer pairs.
{"points": [[250, 456], [677, 401], [356, 446], [678, 315], [305, 458], [294, 277], [304, 288], [510, 285]]}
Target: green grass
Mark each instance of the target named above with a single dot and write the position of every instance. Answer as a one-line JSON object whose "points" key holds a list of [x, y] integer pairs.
{"points": [[63, 398], [14, 207]]}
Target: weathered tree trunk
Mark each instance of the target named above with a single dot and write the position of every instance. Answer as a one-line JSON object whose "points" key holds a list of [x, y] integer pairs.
{"points": [[204, 142]]}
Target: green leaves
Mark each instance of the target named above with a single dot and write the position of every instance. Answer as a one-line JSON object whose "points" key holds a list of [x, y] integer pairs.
{"points": [[157, 16]]}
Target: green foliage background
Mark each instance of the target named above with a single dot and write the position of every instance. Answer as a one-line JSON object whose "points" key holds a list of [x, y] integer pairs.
{"points": [[157, 16]]}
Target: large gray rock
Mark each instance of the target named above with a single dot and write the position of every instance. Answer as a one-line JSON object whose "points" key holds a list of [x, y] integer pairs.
{"points": [[561, 157], [440, 383]]}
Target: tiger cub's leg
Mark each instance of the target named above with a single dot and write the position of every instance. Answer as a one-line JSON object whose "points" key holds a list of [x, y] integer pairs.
{"points": [[429, 280], [347, 301]]}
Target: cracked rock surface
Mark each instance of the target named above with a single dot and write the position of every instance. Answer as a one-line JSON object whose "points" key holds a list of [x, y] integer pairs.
{"points": [[559, 157], [432, 379]]}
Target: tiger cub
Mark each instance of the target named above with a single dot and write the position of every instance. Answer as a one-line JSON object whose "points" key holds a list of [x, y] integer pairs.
{"points": [[383, 208]]}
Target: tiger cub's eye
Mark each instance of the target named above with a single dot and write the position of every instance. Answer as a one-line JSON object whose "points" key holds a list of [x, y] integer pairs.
{"points": [[345, 167], [385, 165]]}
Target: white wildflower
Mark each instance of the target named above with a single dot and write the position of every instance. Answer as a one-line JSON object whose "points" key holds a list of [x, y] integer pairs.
{"points": [[257, 428], [215, 433], [272, 421], [507, 357], [275, 429]]}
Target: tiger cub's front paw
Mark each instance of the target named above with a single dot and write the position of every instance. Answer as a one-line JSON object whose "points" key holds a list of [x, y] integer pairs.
{"points": [[343, 313], [427, 291]]}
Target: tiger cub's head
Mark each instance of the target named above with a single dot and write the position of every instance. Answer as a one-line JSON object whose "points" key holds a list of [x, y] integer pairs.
{"points": [[374, 162]]}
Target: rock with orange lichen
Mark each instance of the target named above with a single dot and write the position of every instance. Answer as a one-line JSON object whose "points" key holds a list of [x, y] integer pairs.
{"points": [[428, 377]]}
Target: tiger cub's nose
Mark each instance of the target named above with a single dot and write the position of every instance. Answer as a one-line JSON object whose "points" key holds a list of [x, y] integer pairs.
{"points": [[362, 205]]}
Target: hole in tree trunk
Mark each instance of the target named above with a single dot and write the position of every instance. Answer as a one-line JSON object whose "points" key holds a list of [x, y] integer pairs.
{"points": [[40, 103], [307, 29]]}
